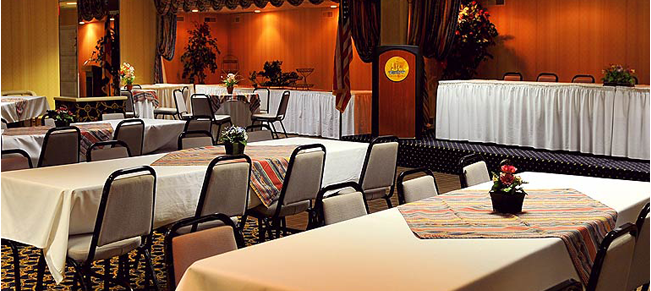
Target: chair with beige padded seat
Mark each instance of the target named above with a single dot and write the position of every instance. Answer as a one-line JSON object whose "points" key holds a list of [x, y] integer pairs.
{"points": [[202, 106], [547, 77], [473, 170], [113, 116], [278, 117], [107, 150], [19, 93], [340, 206], [264, 101], [129, 112], [198, 123], [60, 147], [15, 159], [5, 124], [379, 170], [512, 76], [132, 132], [47, 121], [195, 139], [183, 248], [124, 223], [639, 273], [259, 132], [417, 188], [179, 112], [588, 79], [301, 185], [612, 264]]}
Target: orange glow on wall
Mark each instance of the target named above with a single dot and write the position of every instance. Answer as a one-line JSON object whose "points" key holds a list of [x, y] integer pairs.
{"points": [[87, 36]]}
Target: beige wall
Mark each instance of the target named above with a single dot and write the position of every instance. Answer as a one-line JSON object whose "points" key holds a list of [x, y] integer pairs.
{"points": [[138, 37], [30, 47]]}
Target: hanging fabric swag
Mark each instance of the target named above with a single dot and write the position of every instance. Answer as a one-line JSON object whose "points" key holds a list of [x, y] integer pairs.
{"points": [[365, 20], [89, 9]]}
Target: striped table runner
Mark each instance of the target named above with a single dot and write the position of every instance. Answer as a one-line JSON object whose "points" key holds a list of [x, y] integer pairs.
{"points": [[269, 164], [140, 95], [580, 221]]}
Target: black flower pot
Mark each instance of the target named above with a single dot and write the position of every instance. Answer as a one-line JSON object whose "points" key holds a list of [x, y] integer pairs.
{"points": [[61, 123], [234, 148], [504, 202]]}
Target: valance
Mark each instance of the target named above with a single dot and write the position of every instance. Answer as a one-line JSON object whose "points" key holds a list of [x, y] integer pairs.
{"points": [[89, 9], [432, 26], [171, 6]]}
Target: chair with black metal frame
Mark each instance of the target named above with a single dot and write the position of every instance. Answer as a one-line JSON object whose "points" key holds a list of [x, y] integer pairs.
{"points": [[417, 188], [107, 150], [264, 106], [195, 139], [637, 81], [46, 120], [132, 132], [60, 147], [134, 86], [129, 112], [202, 106], [639, 272], [180, 111], [614, 256], [202, 123], [124, 223], [5, 124], [547, 77], [278, 117], [567, 285], [113, 116], [301, 185], [473, 170], [512, 76], [379, 170], [339, 206], [183, 248], [586, 79], [259, 132]]}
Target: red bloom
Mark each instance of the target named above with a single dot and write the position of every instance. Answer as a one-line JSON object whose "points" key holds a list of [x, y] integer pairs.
{"points": [[509, 169], [457, 32], [507, 179]]}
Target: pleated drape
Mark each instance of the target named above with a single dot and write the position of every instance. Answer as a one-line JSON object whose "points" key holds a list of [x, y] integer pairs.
{"points": [[89, 9], [365, 21], [165, 42]]}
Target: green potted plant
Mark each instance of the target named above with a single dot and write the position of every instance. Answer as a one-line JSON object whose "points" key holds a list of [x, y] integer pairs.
{"points": [[618, 75], [507, 194], [127, 75], [61, 116], [274, 76], [230, 81], [200, 54], [234, 139]]}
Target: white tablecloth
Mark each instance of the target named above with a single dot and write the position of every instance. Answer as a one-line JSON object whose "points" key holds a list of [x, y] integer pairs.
{"points": [[43, 206], [165, 93], [35, 106], [144, 109], [379, 252]]}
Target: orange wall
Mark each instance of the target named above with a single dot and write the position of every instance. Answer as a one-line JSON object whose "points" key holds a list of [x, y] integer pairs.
{"points": [[569, 37], [303, 37], [88, 34]]}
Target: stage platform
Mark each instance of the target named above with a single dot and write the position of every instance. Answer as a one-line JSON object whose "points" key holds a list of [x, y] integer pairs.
{"points": [[443, 156]]}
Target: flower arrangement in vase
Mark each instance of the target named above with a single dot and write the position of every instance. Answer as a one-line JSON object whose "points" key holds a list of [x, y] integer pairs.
{"points": [[230, 81], [507, 194], [618, 75], [127, 75], [61, 116], [234, 139]]}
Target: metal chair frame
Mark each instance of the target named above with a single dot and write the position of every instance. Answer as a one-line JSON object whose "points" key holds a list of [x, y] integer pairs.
{"points": [[47, 138], [377, 140], [401, 179], [111, 143]]}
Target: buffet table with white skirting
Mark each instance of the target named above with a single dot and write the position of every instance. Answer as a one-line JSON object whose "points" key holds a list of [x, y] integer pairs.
{"points": [[311, 113], [587, 118], [165, 93], [19, 108]]}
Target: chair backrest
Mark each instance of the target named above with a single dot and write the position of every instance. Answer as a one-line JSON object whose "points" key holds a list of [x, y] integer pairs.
{"points": [[128, 105], [340, 206], [47, 121], [225, 186], [282, 108], [259, 132], [5, 124], [179, 100], [15, 159], [639, 274], [512, 76], [126, 209], [113, 116], [202, 123], [637, 81], [201, 105], [183, 249], [567, 285], [19, 93], [612, 263], [547, 77], [107, 150], [416, 188], [195, 139], [132, 132], [473, 170], [304, 174], [379, 170], [583, 79], [264, 100], [60, 147]]}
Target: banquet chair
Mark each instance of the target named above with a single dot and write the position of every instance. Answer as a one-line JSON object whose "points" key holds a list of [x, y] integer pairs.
{"points": [[180, 111], [278, 117], [583, 79], [473, 170], [379, 170], [47, 121], [637, 81], [135, 86], [264, 102], [612, 264], [301, 185], [339, 206], [512, 76], [15, 159], [417, 188], [132, 132], [60, 147], [547, 77], [195, 139], [110, 149], [259, 132], [194, 123], [639, 273], [128, 104], [202, 106], [5, 124], [183, 248], [567, 285], [19, 93], [124, 223], [114, 116]]}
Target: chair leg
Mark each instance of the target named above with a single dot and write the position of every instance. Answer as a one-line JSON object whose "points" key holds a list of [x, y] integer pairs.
{"points": [[388, 200], [150, 268], [261, 231], [273, 128], [284, 226], [123, 269], [107, 274], [16, 255], [79, 276], [40, 273], [645, 287], [283, 126]]}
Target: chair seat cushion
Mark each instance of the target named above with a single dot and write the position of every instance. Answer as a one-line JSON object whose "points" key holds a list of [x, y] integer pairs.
{"points": [[79, 246], [286, 210], [222, 118], [165, 111], [207, 225], [377, 193], [129, 114], [263, 116]]}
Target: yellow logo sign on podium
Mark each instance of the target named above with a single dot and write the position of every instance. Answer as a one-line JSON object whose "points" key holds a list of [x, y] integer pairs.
{"points": [[396, 69]]}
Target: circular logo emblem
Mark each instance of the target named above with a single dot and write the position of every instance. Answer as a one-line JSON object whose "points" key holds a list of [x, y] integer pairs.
{"points": [[396, 69]]}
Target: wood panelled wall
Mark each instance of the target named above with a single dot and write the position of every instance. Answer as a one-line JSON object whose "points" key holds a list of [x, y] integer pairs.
{"points": [[569, 37], [30, 47], [138, 37]]}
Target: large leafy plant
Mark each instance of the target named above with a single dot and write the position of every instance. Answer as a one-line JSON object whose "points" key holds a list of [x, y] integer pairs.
{"points": [[200, 54], [618, 75], [274, 75]]}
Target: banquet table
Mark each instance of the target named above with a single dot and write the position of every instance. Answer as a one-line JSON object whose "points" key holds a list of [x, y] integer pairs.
{"points": [[239, 106], [19, 108], [379, 252], [165, 93], [144, 102], [55, 202]]}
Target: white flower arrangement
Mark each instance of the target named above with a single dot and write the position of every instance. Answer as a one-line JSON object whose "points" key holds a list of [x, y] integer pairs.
{"points": [[231, 80], [127, 73], [235, 134]]}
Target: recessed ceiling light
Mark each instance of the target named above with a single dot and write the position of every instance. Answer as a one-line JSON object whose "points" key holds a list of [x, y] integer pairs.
{"points": [[257, 11], [112, 19], [81, 22], [333, 6], [195, 10], [71, 3]]}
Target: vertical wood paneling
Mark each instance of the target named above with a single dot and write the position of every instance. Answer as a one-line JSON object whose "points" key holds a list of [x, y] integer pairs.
{"points": [[138, 37]]}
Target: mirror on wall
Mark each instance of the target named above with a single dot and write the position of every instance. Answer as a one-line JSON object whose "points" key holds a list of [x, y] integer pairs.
{"points": [[68, 21]]}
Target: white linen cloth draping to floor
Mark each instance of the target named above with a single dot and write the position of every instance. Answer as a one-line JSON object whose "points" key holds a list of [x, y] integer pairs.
{"points": [[165, 93], [144, 109], [35, 106], [43, 206], [379, 252]]}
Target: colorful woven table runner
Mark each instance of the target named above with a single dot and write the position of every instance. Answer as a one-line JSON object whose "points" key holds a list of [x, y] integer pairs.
{"points": [[268, 165], [90, 133], [580, 221], [19, 102], [140, 95], [249, 98]]}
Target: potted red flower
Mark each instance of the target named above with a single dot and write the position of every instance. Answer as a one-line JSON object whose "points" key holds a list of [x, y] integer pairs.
{"points": [[61, 116], [507, 194]]}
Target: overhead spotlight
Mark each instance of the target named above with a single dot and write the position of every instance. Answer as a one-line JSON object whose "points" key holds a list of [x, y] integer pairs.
{"points": [[71, 3], [333, 6], [81, 22], [195, 10], [112, 19], [257, 11]]}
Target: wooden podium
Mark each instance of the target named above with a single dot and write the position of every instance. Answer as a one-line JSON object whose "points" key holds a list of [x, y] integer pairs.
{"points": [[397, 92]]}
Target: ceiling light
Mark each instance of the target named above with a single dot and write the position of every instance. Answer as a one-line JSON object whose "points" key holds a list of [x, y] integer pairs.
{"points": [[333, 6], [195, 10], [81, 22], [112, 19], [257, 11], [71, 3]]}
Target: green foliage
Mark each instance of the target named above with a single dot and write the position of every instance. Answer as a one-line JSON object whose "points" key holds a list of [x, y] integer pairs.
{"points": [[200, 54], [61, 114], [618, 75], [274, 75]]}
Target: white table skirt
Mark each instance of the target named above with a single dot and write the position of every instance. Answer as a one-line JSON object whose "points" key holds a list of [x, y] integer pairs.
{"points": [[36, 106], [165, 93], [379, 252], [43, 206], [144, 109]]}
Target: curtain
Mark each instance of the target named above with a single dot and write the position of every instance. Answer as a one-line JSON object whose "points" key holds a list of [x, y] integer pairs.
{"points": [[89, 9], [365, 21], [432, 26], [165, 43], [164, 7]]}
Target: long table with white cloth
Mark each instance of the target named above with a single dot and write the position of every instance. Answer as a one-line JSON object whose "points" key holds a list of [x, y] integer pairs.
{"points": [[19, 108], [380, 252], [588, 118], [42, 207]]}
